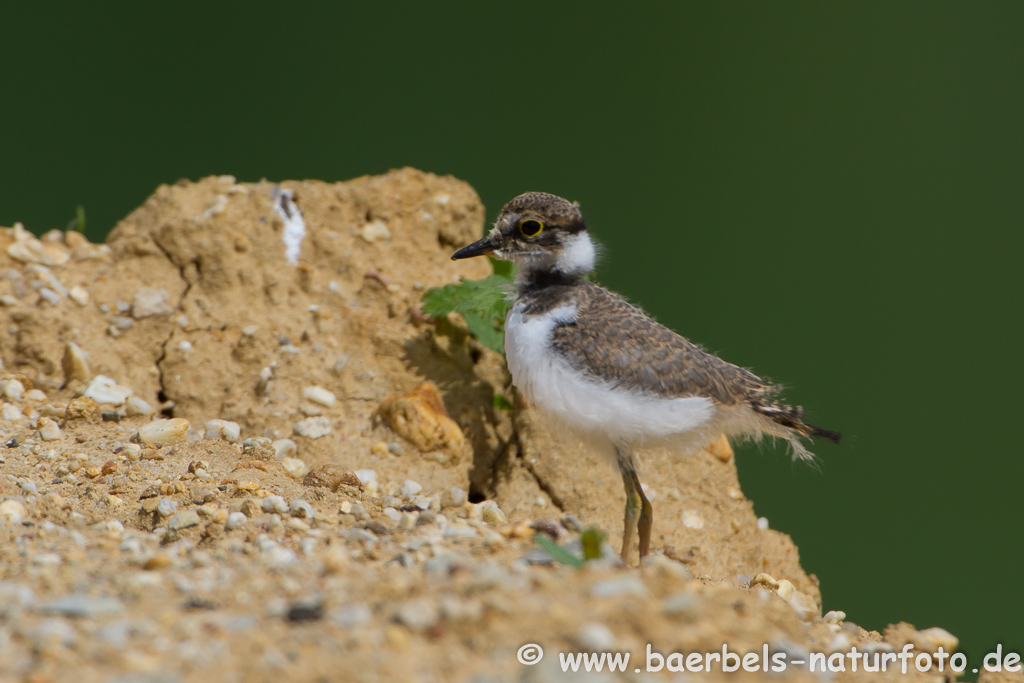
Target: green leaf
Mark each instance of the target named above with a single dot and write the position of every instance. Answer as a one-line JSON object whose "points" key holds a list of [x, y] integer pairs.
{"points": [[483, 304], [558, 552], [502, 403], [592, 539]]}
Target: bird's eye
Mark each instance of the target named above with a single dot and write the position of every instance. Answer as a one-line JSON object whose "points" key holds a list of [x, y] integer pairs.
{"points": [[530, 227]]}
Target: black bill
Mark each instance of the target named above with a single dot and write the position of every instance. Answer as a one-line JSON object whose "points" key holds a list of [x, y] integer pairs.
{"points": [[478, 248]]}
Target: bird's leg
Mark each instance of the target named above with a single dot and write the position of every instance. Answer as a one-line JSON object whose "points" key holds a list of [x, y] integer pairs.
{"points": [[646, 522], [639, 513]]}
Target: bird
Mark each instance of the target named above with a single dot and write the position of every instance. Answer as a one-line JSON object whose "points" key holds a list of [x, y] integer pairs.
{"points": [[603, 368]]}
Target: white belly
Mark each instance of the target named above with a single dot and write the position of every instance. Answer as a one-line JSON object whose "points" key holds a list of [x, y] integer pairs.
{"points": [[588, 405]]}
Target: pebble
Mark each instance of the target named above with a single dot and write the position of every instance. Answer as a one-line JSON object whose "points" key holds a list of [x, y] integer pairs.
{"points": [[595, 637], [680, 604], [300, 508], [136, 406], [13, 511], [295, 468], [762, 523], [931, 639], [421, 418], [51, 297], [331, 476], [621, 585], [491, 513], [258, 448], [79, 294], [834, 617], [410, 488], [183, 520], [50, 633], [417, 615], [313, 427], [454, 497], [393, 514], [223, 429], [236, 520], [284, 448], [375, 231], [460, 532], [79, 605], [150, 301], [274, 504], [692, 519], [320, 396], [351, 616], [164, 432], [75, 364], [166, 507], [48, 429], [13, 389], [102, 389]]}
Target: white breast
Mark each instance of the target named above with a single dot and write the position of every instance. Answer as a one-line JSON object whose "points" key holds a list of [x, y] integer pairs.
{"points": [[591, 406]]}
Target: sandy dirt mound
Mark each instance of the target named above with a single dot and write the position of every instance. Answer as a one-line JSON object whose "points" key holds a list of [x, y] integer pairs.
{"points": [[236, 449]]}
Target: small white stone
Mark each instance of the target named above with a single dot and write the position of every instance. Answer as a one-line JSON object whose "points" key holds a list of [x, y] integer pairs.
{"points": [[320, 396], [931, 639], [366, 476], [628, 584], [35, 395], [79, 294], [236, 520], [393, 514], [454, 497], [166, 507], [164, 432], [13, 389], [48, 429], [692, 519], [595, 637], [49, 296], [300, 508], [102, 389], [410, 488], [295, 467], [491, 513], [150, 301], [834, 617], [274, 504], [185, 346], [284, 448], [417, 615], [13, 511], [136, 406], [376, 231], [313, 427], [762, 523], [223, 429], [11, 413], [785, 589]]}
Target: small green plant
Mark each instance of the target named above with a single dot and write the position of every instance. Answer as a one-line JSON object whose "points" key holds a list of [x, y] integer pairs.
{"points": [[78, 222], [591, 540], [483, 304]]}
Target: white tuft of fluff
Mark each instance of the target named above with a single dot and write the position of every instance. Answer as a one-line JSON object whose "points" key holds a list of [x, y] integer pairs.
{"points": [[294, 224], [578, 255]]}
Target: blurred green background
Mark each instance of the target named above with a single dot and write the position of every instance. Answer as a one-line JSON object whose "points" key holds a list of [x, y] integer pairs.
{"points": [[831, 194]]}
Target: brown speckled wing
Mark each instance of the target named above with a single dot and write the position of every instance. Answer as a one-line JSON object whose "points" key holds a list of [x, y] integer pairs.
{"points": [[616, 342]]}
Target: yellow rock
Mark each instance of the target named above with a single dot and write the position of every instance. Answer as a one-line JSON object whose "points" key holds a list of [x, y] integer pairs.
{"points": [[420, 418]]}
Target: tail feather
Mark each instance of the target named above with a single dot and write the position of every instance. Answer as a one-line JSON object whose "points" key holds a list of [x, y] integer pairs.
{"points": [[792, 418]]}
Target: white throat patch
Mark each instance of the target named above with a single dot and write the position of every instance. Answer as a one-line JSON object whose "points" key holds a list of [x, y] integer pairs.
{"points": [[578, 255]]}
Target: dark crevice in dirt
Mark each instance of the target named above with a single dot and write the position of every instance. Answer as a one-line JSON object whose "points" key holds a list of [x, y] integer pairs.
{"points": [[162, 392]]}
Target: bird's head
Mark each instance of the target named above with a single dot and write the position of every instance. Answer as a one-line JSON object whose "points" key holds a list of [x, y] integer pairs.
{"points": [[538, 232]]}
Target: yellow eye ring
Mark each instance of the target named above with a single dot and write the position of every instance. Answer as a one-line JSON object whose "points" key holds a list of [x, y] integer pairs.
{"points": [[530, 227]]}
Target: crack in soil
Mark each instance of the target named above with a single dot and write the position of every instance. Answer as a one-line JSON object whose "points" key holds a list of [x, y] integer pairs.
{"points": [[162, 395]]}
